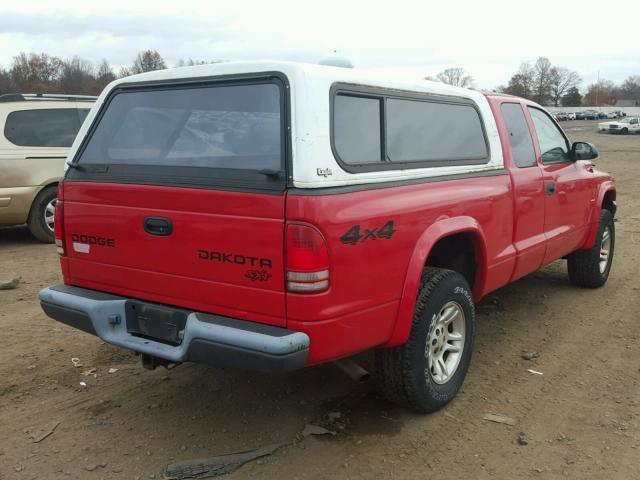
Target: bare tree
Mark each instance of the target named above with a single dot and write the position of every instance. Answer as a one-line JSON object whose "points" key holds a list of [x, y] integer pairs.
{"points": [[602, 93], [6, 85], [521, 83], [145, 61], [104, 75], [457, 77], [561, 80], [35, 72], [190, 62], [76, 77], [542, 80], [630, 88]]}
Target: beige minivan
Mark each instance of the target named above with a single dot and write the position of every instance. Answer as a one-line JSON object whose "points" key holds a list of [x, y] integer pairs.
{"points": [[37, 131]]}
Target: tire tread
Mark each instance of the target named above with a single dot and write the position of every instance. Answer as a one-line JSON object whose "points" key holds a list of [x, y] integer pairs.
{"points": [[394, 365], [582, 265]]}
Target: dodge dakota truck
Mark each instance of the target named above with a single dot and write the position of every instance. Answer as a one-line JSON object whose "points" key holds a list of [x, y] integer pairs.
{"points": [[271, 216]]}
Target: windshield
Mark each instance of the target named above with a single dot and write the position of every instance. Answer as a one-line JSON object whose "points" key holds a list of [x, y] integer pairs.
{"points": [[229, 127]]}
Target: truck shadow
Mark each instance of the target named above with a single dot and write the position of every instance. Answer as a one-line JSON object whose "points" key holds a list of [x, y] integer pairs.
{"points": [[14, 236]]}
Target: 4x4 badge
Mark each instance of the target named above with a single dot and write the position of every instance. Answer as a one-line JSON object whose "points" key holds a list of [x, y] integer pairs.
{"points": [[324, 172], [354, 235]]}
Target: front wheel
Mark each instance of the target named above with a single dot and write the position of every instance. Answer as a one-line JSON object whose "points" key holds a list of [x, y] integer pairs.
{"points": [[426, 373], [590, 268]]}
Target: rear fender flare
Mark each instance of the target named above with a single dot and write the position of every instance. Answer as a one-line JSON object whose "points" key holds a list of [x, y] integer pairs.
{"points": [[435, 232], [604, 188]]}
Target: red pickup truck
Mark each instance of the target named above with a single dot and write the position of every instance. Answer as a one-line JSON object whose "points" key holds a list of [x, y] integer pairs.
{"points": [[270, 216]]}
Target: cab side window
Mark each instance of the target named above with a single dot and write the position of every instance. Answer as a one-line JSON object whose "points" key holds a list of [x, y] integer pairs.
{"points": [[522, 149], [553, 144]]}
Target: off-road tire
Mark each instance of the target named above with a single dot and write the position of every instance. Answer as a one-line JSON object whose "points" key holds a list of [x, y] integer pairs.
{"points": [[584, 265], [36, 222], [402, 372]]}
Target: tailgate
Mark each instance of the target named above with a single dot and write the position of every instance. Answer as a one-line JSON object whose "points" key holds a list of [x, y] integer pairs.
{"points": [[178, 197]]}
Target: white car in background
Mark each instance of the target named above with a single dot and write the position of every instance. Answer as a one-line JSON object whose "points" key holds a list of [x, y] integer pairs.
{"points": [[571, 116], [623, 126]]}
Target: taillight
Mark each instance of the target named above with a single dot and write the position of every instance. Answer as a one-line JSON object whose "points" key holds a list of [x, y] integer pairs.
{"points": [[307, 259], [58, 226]]}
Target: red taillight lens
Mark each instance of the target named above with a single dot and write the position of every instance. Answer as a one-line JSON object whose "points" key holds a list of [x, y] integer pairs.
{"points": [[58, 226], [307, 259]]}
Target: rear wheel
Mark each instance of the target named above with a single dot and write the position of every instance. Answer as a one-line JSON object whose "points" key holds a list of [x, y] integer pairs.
{"points": [[41, 217], [426, 373], [590, 268]]}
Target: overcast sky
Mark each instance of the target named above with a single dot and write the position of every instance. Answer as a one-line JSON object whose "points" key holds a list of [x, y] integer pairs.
{"points": [[489, 39]]}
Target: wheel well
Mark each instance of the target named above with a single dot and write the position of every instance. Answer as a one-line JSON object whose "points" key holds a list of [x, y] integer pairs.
{"points": [[456, 252], [608, 201]]}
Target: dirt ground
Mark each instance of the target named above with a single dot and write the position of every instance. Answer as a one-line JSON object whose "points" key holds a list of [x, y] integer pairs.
{"points": [[580, 419]]}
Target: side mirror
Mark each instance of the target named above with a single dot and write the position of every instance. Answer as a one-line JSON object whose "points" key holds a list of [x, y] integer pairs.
{"points": [[583, 151]]}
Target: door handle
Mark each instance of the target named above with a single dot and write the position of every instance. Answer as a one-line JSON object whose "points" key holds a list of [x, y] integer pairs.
{"points": [[159, 226], [551, 188]]}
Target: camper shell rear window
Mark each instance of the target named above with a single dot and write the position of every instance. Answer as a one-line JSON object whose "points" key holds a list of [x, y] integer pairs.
{"points": [[216, 134]]}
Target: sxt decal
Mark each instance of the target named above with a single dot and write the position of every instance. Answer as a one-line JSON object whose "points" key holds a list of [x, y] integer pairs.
{"points": [[356, 235]]}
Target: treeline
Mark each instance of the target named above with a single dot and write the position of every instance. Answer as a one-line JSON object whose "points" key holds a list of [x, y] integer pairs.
{"points": [[549, 84], [540, 81], [42, 73]]}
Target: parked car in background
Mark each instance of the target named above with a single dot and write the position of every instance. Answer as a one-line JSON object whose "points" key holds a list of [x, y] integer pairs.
{"points": [[229, 214], [560, 116], [602, 115], [579, 115], [571, 116], [622, 126], [37, 133], [591, 115]]}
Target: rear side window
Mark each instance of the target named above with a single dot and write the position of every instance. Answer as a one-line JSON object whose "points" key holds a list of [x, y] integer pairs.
{"points": [[43, 127], [384, 132], [224, 127], [426, 131], [522, 149], [357, 129]]}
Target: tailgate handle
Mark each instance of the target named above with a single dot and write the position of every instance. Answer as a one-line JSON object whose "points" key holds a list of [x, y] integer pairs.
{"points": [[158, 226]]}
